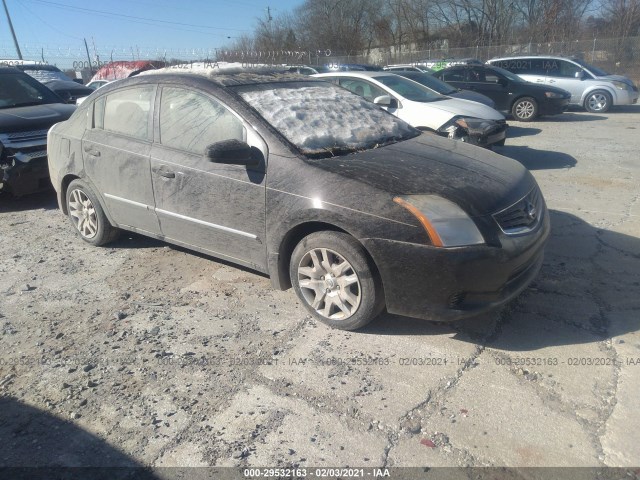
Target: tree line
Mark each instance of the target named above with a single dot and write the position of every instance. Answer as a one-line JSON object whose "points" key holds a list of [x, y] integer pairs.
{"points": [[348, 27]]}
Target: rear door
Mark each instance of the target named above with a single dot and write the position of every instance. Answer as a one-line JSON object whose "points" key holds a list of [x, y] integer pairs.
{"points": [[116, 151], [216, 207]]}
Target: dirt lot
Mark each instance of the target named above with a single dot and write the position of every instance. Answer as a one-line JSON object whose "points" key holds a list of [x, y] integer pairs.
{"points": [[145, 354]]}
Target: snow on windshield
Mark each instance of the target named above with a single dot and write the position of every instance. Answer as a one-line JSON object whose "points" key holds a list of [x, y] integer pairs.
{"points": [[321, 119]]}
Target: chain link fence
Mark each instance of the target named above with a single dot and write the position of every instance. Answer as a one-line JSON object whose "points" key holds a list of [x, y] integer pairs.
{"points": [[615, 55]]}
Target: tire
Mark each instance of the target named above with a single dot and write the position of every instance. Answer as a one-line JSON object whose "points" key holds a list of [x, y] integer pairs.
{"points": [[87, 216], [325, 265], [524, 109], [598, 102]]}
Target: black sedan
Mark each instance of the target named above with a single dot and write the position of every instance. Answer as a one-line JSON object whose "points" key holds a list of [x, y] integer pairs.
{"points": [[525, 101], [307, 182], [444, 88]]}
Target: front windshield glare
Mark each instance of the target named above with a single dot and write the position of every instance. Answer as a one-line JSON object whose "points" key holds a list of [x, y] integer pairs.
{"points": [[506, 73], [324, 120], [408, 89], [20, 91]]}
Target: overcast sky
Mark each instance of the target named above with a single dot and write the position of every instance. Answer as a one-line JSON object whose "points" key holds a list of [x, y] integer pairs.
{"points": [[159, 24]]}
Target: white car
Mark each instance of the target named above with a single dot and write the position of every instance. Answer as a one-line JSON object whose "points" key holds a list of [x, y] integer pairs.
{"points": [[425, 109]]}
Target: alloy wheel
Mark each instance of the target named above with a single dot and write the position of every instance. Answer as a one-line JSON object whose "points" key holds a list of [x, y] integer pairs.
{"points": [[83, 214], [329, 284], [525, 109], [598, 102]]}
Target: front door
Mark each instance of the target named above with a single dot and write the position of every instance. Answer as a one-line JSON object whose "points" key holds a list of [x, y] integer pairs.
{"points": [[218, 208]]}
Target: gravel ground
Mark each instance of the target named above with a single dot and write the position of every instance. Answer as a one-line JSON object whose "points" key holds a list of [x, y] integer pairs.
{"points": [[145, 354]]}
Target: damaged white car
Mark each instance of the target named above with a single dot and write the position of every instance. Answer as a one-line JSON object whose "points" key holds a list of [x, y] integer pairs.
{"points": [[425, 109]]}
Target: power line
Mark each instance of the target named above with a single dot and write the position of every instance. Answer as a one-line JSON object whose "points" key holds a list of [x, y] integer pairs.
{"points": [[132, 17], [31, 12]]}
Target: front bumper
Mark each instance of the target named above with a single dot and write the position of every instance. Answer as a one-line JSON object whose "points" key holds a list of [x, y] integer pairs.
{"points": [[446, 284], [554, 106], [483, 133], [26, 177], [626, 97]]}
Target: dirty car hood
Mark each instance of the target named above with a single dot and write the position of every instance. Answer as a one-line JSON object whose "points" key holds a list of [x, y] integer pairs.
{"points": [[478, 180], [33, 117]]}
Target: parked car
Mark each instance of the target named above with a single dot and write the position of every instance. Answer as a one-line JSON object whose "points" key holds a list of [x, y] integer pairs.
{"points": [[54, 79], [353, 67], [408, 68], [425, 109], [27, 110], [301, 69], [444, 88], [590, 87], [304, 181], [96, 84], [525, 101]]}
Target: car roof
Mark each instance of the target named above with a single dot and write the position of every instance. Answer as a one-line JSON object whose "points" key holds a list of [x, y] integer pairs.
{"points": [[362, 74], [204, 78], [529, 55]]}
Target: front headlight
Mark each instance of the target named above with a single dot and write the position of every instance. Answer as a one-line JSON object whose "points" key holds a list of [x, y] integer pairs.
{"points": [[445, 222], [553, 95], [621, 85]]}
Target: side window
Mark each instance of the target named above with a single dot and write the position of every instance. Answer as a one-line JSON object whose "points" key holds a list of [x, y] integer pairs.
{"points": [[551, 67], [537, 66], [191, 121], [364, 89], [568, 69], [98, 113], [476, 75], [455, 75], [127, 112]]}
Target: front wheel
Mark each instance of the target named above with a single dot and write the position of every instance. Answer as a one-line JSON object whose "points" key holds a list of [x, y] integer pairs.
{"points": [[87, 216], [598, 102], [335, 280], [525, 109]]}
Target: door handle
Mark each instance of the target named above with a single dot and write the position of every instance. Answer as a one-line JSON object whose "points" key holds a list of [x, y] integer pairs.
{"points": [[552, 81], [539, 81], [163, 172], [91, 151]]}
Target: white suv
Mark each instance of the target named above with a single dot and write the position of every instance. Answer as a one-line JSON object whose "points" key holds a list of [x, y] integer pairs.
{"points": [[590, 87]]}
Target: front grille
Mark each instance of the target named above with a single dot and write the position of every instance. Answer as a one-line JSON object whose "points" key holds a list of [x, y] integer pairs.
{"points": [[23, 136], [523, 216]]}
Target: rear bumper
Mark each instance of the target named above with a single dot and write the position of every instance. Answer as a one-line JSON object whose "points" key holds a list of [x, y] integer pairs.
{"points": [[443, 284]]}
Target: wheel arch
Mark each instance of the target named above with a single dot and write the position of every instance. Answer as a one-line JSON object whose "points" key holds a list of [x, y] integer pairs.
{"points": [[597, 88], [279, 260], [66, 181]]}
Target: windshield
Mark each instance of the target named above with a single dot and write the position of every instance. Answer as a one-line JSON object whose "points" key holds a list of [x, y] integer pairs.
{"points": [[506, 73], [17, 90], [323, 120], [45, 74], [595, 70], [408, 89], [430, 82]]}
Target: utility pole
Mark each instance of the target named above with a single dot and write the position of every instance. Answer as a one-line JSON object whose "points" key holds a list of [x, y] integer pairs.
{"points": [[88, 56], [13, 33]]}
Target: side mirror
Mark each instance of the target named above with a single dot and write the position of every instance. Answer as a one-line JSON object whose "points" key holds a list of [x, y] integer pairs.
{"points": [[231, 152], [579, 74], [503, 81], [386, 101]]}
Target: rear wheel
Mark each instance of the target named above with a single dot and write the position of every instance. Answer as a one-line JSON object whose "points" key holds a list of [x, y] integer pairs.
{"points": [[525, 109], [87, 216], [598, 102], [335, 280]]}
